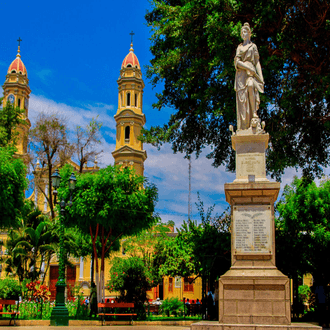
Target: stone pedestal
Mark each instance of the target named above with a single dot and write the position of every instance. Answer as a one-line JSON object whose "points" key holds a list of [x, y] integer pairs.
{"points": [[250, 156], [253, 291], [253, 294]]}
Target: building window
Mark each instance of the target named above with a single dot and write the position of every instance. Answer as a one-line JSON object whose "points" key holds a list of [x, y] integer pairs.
{"points": [[127, 133], [121, 100], [136, 100], [128, 103], [19, 103], [188, 285], [170, 284]]}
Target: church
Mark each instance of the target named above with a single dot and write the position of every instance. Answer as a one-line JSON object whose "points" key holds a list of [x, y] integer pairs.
{"points": [[128, 152]]}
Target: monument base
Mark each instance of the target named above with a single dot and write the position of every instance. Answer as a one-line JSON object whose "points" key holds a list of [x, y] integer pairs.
{"points": [[254, 296], [214, 325]]}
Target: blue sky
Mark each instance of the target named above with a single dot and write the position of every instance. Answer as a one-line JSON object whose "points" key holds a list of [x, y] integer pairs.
{"points": [[73, 52]]}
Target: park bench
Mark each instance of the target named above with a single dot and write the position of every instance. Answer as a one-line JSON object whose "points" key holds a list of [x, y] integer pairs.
{"points": [[108, 309], [152, 309], [195, 309], [9, 311]]}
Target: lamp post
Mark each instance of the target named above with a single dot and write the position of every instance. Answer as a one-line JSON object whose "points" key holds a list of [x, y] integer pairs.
{"points": [[60, 314]]}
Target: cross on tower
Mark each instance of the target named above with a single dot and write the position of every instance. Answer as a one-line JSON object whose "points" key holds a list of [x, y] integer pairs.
{"points": [[19, 41], [132, 34]]}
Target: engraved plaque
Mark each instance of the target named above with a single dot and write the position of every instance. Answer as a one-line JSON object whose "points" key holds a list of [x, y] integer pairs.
{"points": [[253, 163], [252, 229]]}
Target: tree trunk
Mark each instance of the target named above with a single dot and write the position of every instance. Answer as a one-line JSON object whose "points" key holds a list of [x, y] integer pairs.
{"points": [[92, 268], [50, 199], [97, 277], [46, 269], [96, 260], [102, 266]]}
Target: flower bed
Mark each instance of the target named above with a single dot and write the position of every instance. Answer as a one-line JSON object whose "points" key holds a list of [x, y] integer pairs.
{"points": [[32, 310]]}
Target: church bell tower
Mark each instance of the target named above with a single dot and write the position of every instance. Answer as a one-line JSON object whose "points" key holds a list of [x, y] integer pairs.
{"points": [[16, 91], [129, 117]]}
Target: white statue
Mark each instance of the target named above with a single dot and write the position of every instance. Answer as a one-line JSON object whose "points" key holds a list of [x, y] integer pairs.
{"points": [[248, 81]]}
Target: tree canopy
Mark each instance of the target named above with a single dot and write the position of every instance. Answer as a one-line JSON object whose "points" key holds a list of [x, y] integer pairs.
{"points": [[115, 198], [10, 118], [193, 45], [303, 230], [110, 204], [12, 170], [12, 186], [132, 277], [198, 249], [49, 142]]}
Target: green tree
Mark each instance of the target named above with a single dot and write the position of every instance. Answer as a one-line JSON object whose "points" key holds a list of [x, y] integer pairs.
{"points": [[132, 277], [193, 45], [12, 186], [49, 142], [174, 256], [303, 231], [143, 243], [202, 250], [12, 170], [109, 204], [30, 245], [10, 118]]}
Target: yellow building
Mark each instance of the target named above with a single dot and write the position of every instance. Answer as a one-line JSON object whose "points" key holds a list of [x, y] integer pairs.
{"points": [[16, 91], [129, 117], [128, 152]]}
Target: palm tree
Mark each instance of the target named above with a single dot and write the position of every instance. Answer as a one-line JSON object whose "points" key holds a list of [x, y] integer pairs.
{"points": [[31, 245]]}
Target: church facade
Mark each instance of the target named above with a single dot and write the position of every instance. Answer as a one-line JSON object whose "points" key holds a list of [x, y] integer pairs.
{"points": [[128, 152]]}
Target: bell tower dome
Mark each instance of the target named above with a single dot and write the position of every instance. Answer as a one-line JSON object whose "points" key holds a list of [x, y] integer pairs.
{"points": [[16, 91], [129, 117]]}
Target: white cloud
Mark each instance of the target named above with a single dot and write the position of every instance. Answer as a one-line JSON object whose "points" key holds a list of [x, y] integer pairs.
{"points": [[80, 116], [76, 115], [170, 172]]}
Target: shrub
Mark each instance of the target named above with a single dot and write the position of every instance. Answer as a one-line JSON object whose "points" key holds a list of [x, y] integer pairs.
{"points": [[132, 277], [171, 306], [10, 289], [304, 293], [31, 310]]}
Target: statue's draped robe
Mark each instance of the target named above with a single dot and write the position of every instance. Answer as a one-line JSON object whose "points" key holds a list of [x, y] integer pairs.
{"points": [[250, 56]]}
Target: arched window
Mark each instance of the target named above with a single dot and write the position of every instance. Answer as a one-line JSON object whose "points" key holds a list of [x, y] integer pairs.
{"points": [[128, 103], [136, 100], [19, 103], [127, 133]]}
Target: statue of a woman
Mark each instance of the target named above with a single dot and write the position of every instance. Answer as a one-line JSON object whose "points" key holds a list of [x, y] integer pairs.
{"points": [[248, 81]]}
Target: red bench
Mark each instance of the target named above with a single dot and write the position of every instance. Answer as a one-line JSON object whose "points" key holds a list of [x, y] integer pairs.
{"points": [[107, 309], [9, 311]]}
